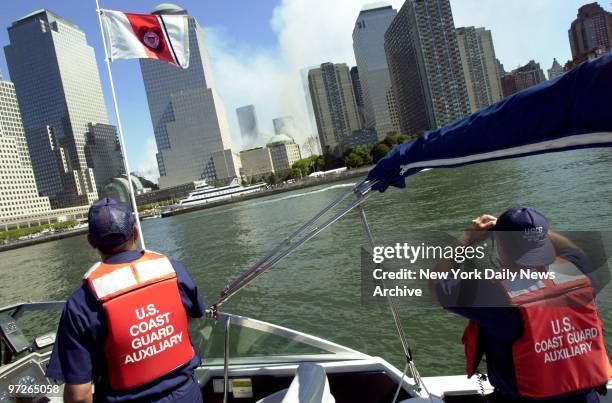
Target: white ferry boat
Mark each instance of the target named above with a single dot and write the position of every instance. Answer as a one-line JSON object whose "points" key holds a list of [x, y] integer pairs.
{"points": [[205, 193]]}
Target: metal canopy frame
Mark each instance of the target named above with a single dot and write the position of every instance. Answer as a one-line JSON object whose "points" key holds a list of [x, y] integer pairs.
{"points": [[362, 191]]}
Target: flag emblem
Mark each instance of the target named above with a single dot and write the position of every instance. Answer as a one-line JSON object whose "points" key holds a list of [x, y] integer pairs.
{"points": [[151, 39]]}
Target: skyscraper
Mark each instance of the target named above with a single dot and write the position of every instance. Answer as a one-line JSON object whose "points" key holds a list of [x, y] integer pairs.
{"points": [[555, 70], [188, 117], [60, 95], [312, 124], [522, 77], [284, 125], [18, 192], [101, 150], [480, 67], [368, 45], [358, 91], [333, 101], [392, 105], [591, 31], [247, 120], [425, 65]]}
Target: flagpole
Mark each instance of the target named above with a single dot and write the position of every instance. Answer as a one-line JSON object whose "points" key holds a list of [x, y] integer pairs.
{"points": [[120, 128]]}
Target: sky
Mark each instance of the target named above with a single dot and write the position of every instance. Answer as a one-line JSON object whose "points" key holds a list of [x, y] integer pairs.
{"points": [[258, 47]]}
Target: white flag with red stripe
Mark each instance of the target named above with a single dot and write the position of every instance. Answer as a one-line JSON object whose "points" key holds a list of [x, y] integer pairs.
{"points": [[142, 36]]}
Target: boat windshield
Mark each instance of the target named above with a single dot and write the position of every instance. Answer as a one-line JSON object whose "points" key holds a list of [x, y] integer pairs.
{"points": [[254, 342], [33, 327]]}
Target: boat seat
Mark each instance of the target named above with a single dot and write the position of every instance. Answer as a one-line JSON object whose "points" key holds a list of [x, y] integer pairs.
{"points": [[309, 385]]}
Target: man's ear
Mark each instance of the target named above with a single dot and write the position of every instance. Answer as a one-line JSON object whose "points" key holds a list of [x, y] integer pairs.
{"points": [[91, 242], [136, 233]]}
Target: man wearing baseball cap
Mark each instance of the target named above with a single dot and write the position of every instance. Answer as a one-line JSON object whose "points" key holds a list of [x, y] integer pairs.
{"points": [[124, 329], [541, 335]]}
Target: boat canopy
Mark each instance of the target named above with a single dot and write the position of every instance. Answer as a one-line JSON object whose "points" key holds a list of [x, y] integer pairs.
{"points": [[569, 112]]}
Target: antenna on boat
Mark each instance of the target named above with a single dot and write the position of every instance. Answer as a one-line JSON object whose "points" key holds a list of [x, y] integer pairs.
{"points": [[126, 165]]}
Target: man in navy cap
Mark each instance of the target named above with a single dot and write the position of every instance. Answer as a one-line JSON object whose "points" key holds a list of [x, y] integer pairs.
{"points": [[540, 331], [125, 329]]}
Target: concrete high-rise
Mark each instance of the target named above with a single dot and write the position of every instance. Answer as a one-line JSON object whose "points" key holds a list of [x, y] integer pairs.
{"points": [[358, 91], [334, 105], [18, 192], [256, 163], [247, 120], [103, 153], [283, 151], [425, 66], [522, 77], [480, 67], [555, 70], [59, 92], [368, 45], [284, 125], [188, 116], [591, 31]]}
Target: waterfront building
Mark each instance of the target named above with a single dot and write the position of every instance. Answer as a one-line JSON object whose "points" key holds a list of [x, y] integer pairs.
{"points": [[591, 31], [360, 138], [19, 196], [368, 45], [312, 124], [522, 77], [425, 66], [247, 120], [256, 163], [393, 114], [480, 67], [500, 69], [227, 164], [188, 116], [103, 153], [358, 91], [555, 70], [311, 146], [60, 95], [284, 152], [334, 105], [284, 125]]}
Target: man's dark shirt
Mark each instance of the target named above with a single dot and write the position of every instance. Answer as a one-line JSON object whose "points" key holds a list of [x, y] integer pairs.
{"points": [[78, 355], [500, 326]]}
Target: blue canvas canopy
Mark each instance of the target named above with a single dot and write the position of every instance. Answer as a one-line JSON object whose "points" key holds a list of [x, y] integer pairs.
{"points": [[570, 112]]}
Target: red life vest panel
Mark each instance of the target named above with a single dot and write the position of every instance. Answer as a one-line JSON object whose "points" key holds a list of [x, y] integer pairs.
{"points": [[148, 333], [562, 349]]}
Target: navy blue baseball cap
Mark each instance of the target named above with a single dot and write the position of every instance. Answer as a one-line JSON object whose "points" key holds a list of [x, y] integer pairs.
{"points": [[523, 236], [111, 223]]}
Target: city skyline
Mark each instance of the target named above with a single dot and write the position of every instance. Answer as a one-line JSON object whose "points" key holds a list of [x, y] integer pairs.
{"points": [[267, 26]]}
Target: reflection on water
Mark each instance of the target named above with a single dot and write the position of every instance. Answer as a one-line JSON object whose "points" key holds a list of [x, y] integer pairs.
{"points": [[316, 289]]}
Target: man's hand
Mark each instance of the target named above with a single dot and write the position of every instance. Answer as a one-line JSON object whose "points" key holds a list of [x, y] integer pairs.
{"points": [[81, 393], [477, 230]]}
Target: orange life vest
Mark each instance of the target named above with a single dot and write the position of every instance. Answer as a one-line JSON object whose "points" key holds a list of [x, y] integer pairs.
{"points": [[561, 349], [148, 333]]}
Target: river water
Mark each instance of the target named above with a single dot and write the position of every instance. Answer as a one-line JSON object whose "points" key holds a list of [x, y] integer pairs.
{"points": [[316, 289]]}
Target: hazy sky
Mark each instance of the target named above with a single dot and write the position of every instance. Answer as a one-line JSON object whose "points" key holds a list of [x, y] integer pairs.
{"points": [[257, 48]]}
